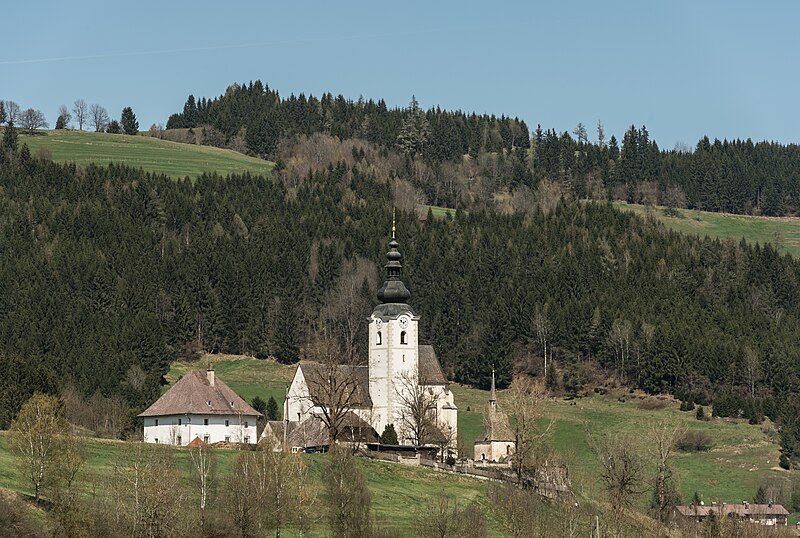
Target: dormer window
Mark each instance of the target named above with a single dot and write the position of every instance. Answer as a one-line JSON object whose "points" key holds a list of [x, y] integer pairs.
{"points": [[403, 337], [379, 338], [208, 403]]}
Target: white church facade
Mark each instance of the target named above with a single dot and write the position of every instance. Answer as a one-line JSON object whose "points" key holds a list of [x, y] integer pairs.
{"points": [[399, 370]]}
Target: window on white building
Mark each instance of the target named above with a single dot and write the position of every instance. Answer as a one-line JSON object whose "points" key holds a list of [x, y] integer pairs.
{"points": [[180, 422], [156, 422], [205, 439], [246, 439], [379, 338], [245, 424], [179, 440], [156, 440], [227, 438], [205, 422], [227, 423], [403, 337]]}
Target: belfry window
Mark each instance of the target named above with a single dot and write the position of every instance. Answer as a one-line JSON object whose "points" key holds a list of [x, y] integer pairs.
{"points": [[379, 338], [403, 338]]}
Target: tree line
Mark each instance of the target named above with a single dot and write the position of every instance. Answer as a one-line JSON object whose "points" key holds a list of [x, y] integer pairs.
{"points": [[96, 115], [736, 176], [110, 273]]}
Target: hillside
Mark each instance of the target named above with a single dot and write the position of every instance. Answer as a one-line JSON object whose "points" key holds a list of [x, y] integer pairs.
{"points": [[743, 456], [783, 233], [151, 154]]}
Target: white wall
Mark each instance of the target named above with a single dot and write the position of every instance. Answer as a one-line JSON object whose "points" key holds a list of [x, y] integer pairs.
{"points": [[168, 431]]}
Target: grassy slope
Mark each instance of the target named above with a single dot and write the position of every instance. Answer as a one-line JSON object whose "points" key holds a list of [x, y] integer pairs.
{"points": [[732, 470], [399, 493], [782, 232], [153, 155]]}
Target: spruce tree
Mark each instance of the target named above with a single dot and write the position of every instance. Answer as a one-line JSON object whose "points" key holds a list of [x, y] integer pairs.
{"points": [[128, 120], [10, 137], [389, 435], [272, 409]]}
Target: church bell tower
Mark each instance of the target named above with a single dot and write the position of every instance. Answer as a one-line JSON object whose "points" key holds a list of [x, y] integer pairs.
{"points": [[393, 343]]}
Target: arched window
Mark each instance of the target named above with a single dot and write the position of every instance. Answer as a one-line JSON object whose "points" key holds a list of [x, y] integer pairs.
{"points": [[403, 338], [379, 338]]}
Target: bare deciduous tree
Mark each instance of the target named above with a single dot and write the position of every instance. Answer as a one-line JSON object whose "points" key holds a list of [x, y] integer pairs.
{"points": [[149, 499], [752, 369], [622, 469], [81, 110], [620, 339], [98, 117], [417, 410], [665, 496], [203, 476], [334, 386], [543, 329], [31, 119], [348, 497], [442, 518], [346, 304], [64, 117], [41, 437], [12, 112], [525, 399]]}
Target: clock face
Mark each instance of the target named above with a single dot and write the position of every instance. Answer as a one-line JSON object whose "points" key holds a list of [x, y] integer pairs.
{"points": [[403, 322], [378, 323]]}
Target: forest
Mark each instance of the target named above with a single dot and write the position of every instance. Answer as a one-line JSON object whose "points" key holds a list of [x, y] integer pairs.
{"points": [[735, 176], [109, 273]]}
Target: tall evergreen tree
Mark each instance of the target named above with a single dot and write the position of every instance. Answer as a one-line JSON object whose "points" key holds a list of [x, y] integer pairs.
{"points": [[128, 121]]}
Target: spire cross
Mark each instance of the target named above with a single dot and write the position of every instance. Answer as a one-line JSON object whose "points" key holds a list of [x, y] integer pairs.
{"points": [[393, 221]]}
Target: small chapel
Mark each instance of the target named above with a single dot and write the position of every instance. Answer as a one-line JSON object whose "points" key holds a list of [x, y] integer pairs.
{"points": [[496, 442], [397, 367]]}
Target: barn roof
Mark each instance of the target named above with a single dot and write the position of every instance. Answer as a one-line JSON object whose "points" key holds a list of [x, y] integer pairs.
{"points": [[312, 432], [194, 394], [741, 510]]}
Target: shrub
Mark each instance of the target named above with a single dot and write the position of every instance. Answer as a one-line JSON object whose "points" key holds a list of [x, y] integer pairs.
{"points": [[700, 414], [784, 462], [651, 404], [687, 405], [694, 441]]}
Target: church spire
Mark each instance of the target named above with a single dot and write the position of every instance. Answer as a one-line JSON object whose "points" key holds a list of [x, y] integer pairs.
{"points": [[393, 289], [493, 395]]}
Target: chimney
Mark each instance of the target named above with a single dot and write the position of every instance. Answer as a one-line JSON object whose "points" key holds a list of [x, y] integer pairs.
{"points": [[210, 373]]}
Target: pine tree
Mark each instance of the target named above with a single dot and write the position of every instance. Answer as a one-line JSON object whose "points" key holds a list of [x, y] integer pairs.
{"points": [[114, 127], [10, 137], [389, 435], [272, 409], [128, 121]]}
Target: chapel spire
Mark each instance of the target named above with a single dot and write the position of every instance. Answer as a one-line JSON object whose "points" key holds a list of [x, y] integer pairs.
{"points": [[393, 289], [493, 395]]}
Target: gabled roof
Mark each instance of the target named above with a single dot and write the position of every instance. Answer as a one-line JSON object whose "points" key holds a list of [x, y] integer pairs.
{"points": [[741, 510], [193, 394], [314, 372], [430, 371], [312, 432]]}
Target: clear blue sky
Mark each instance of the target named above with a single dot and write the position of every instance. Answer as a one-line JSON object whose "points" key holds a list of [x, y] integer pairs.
{"points": [[727, 69]]}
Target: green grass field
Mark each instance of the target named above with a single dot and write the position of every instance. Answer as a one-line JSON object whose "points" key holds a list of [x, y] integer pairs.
{"points": [[151, 154], [741, 458], [782, 232]]}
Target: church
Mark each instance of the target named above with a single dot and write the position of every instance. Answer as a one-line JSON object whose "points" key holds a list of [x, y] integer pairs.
{"points": [[400, 375]]}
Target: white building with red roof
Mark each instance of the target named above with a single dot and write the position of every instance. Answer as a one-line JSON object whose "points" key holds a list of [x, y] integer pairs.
{"points": [[200, 406]]}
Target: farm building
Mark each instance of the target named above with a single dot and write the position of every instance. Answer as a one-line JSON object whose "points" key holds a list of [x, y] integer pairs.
{"points": [[764, 514], [200, 406]]}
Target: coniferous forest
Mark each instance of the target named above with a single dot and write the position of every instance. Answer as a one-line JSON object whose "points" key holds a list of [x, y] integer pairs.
{"points": [[737, 176], [109, 273]]}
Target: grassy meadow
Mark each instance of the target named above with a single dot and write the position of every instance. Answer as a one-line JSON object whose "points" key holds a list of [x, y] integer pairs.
{"points": [[742, 457], [151, 154], [782, 232]]}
